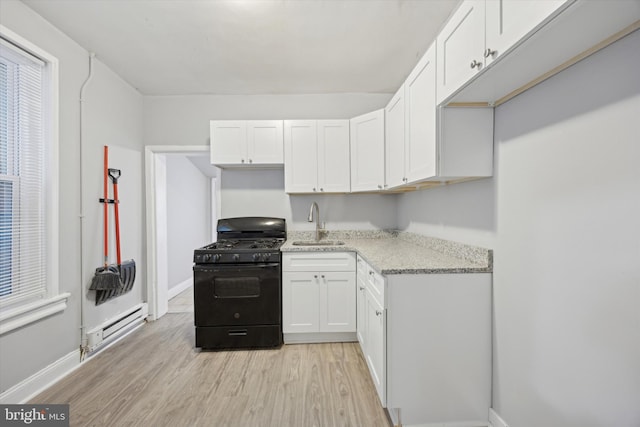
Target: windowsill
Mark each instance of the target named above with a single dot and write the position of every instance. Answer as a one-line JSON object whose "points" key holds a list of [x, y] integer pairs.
{"points": [[32, 312]]}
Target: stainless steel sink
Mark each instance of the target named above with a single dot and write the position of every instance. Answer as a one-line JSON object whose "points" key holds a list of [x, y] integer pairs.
{"points": [[317, 243]]}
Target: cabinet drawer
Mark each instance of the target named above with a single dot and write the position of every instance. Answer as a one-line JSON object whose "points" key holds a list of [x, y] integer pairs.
{"points": [[375, 284], [319, 261]]}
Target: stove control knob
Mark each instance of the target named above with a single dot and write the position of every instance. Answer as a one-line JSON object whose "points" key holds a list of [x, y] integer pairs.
{"points": [[236, 257], [206, 257], [257, 257], [216, 257], [265, 257]]}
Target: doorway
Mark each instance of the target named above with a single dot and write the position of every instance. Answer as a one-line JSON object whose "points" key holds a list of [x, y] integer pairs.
{"points": [[162, 220]]}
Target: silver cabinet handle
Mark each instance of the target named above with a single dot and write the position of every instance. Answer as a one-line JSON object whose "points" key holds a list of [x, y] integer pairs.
{"points": [[475, 64], [378, 313], [490, 53]]}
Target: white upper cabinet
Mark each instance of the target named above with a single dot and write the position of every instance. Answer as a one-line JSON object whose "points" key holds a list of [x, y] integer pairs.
{"points": [[333, 156], [460, 47], [420, 115], [508, 21], [265, 142], [228, 142], [367, 152], [246, 142], [491, 50], [394, 122], [316, 156]]}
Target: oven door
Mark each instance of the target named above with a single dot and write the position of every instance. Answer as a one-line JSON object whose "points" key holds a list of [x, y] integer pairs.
{"points": [[237, 294]]}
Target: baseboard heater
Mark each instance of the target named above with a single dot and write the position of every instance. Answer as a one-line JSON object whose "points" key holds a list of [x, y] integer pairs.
{"points": [[116, 327]]}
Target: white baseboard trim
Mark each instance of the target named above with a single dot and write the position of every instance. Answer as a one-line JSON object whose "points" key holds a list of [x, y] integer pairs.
{"points": [[496, 420], [172, 292], [319, 337], [38, 382]]}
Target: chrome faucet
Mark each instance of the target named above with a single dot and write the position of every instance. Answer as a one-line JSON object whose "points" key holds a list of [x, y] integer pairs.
{"points": [[310, 219]]}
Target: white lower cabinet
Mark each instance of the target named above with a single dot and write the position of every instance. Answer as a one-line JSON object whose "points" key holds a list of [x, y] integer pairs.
{"points": [[372, 325], [319, 297], [438, 348]]}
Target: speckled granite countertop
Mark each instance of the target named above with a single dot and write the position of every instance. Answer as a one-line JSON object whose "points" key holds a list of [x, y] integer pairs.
{"points": [[392, 252]]}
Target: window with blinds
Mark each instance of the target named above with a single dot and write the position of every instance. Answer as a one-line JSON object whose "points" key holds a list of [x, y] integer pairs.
{"points": [[23, 172]]}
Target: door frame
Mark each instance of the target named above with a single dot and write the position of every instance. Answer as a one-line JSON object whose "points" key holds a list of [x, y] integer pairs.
{"points": [[152, 155]]}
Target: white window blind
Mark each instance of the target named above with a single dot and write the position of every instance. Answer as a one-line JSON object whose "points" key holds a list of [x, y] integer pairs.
{"points": [[22, 177]]}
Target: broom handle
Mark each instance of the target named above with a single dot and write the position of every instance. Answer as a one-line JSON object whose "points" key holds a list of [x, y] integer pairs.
{"points": [[106, 206]]}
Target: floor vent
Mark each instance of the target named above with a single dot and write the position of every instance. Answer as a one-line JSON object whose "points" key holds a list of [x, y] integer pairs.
{"points": [[116, 327]]}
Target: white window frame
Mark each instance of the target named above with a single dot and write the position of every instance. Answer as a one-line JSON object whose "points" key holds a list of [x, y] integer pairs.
{"points": [[28, 312]]}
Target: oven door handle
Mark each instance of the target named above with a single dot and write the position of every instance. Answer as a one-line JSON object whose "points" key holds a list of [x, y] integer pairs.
{"points": [[260, 266]]}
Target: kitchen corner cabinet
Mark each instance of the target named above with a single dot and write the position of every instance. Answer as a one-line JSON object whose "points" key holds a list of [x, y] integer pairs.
{"points": [[367, 152], [316, 156], [246, 142], [319, 296], [438, 348], [426, 143], [372, 330]]}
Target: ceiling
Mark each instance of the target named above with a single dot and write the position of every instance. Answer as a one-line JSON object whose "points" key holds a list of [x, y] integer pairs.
{"points": [[181, 47]]}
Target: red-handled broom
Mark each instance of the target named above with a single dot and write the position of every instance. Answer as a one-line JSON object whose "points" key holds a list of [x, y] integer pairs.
{"points": [[106, 277]]}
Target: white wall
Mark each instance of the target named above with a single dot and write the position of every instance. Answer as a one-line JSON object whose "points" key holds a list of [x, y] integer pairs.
{"points": [[114, 110], [188, 216], [184, 120], [563, 216]]}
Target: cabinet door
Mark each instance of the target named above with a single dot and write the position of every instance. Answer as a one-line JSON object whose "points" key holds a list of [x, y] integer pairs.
{"points": [[333, 156], [394, 120], [265, 142], [228, 142], [337, 301], [361, 302], [508, 21], [361, 306], [300, 302], [300, 156], [460, 47], [367, 152], [420, 100], [376, 346]]}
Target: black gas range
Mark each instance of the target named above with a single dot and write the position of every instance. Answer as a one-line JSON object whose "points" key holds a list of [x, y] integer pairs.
{"points": [[238, 285]]}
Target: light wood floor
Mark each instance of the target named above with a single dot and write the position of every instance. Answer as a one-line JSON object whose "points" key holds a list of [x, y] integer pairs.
{"points": [[155, 377], [183, 302]]}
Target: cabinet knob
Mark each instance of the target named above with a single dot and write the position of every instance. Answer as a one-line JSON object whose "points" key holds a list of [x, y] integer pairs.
{"points": [[322, 276], [315, 276], [490, 53], [380, 187], [250, 161], [405, 179], [242, 160], [475, 64], [314, 188], [321, 189], [378, 313], [371, 273], [361, 288]]}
